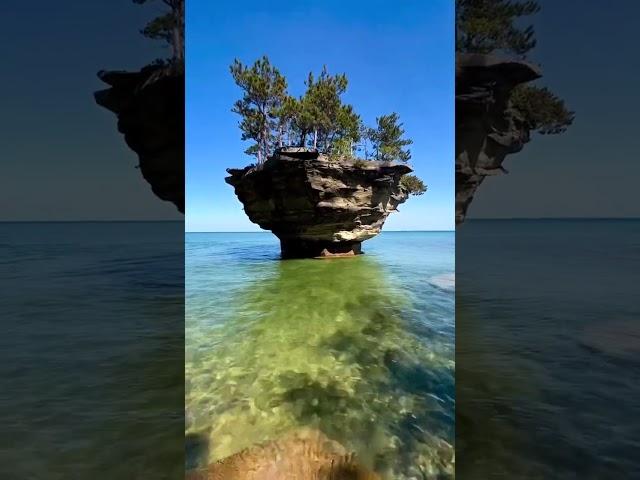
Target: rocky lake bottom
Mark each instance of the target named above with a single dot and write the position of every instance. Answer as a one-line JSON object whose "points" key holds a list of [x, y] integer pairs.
{"points": [[361, 349]]}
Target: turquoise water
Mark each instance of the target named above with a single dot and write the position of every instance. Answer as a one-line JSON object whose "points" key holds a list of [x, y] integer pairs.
{"points": [[359, 348]]}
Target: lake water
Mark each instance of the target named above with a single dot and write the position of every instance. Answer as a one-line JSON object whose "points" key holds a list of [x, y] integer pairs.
{"points": [[360, 348], [91, 351], [548, 349]]}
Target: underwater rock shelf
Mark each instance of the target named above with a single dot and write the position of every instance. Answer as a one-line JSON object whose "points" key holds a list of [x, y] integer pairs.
{"points": [[316, 206]]}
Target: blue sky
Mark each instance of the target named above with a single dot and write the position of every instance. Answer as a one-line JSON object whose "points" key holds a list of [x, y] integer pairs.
{"points": [[398, 56]]}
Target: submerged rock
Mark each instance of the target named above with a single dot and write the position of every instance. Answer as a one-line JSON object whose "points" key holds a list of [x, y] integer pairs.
{"points": [[149, 105], [487, 128], [302, 455], [316, 206]]}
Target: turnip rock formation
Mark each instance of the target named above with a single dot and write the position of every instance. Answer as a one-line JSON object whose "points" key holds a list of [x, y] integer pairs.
{"points": [[497, 108], [149, 105], [487, 127], [323, 181], [317, 206]]}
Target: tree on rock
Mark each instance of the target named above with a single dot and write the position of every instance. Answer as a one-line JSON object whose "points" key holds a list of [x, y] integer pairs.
{"points": [[412, 184], [541, 109], [491, 26], [485, 26], [331, 120], [264, 96], [387, 140], [169, 28]]}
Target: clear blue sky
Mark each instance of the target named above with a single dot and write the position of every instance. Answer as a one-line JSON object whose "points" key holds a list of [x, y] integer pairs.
{"points": [[398, 56]]}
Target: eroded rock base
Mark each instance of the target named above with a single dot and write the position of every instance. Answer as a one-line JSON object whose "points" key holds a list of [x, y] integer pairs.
{"points": [[318, 249]]}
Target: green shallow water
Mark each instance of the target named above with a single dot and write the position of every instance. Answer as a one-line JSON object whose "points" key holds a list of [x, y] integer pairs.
{"points": [[360, 348]]}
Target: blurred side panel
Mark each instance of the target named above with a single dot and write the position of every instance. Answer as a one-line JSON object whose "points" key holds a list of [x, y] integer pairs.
{"points": [[92, 240], [547, 258]]}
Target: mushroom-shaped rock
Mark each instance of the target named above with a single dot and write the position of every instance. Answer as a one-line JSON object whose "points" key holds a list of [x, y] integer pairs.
{"points": [[316, 206]]}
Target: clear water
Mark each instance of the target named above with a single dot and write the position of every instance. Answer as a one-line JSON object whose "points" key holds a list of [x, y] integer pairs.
{"points": [[548, 349], [91, 351], [359, 348]]}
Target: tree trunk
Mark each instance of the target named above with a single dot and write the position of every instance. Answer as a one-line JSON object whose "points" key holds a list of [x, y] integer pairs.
{"points": [[265, 136], [315, 138], [178, 33]]}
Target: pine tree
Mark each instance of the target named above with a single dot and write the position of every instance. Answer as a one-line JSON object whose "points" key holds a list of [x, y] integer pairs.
{"points": [[346, 132], [490, 26], [169, 28], [387, 140], [264, 95], [323, 97], [412, 184], [485, 26]]}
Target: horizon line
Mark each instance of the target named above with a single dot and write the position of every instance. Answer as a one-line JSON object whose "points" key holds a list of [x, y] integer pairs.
{"points": [[259, 231], [91, 221], [553, 218], [267, 231]]}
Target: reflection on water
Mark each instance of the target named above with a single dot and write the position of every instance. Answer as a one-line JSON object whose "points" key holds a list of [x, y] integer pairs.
{"points": [[335, 345]]}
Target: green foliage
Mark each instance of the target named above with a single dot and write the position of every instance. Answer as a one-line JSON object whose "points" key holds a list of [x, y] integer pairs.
{"points": [[387, 139], [160, 28], [488, 26], [288, 112], [323, 99], [323, 117], [271, 118], [262, 103], [412, 184], [485, 26], [168, 27], [341, 148], [359, 163], [541, 110]]}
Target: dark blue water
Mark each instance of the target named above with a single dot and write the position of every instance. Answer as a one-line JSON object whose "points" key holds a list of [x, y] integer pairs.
{"points": [[91, 353], [548, 349]]}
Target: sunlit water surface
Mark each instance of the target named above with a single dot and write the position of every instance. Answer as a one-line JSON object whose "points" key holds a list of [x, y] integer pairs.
{"points": [[360, 348]]}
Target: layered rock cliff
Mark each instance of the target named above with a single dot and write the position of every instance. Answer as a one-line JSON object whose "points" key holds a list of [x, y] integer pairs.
{"points": [[319, 207], [149, 105], [487, 127]]}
